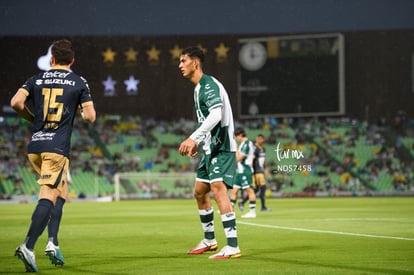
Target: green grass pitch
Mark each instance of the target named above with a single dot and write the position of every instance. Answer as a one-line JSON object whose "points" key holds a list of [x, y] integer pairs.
{"points": [[300, 236]]}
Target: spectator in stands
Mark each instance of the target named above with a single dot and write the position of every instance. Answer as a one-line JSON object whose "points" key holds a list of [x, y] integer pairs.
{"points": [[18, 184]]}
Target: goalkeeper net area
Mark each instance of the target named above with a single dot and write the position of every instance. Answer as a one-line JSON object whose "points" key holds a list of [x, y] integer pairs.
{"points": [[147, 185]]}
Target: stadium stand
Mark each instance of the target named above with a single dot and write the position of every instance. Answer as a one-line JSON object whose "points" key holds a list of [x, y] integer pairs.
{"points": [[343, 155]]}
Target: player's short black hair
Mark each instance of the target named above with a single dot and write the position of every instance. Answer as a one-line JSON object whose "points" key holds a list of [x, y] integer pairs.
{"points": [[194, 52], [240, 131], [63, 52]]}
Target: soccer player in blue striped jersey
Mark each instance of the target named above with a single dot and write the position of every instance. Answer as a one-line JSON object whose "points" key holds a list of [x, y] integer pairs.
{"points": [[56, 95], [217, 167]]}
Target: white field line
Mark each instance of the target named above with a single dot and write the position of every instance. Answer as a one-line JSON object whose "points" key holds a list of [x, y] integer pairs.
{"points": [[325, 231]]}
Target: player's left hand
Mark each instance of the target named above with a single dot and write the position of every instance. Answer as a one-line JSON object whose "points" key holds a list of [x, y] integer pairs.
{"points": [[188, 147]]}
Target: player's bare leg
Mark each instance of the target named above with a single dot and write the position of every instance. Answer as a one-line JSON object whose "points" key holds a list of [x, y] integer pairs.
{"points": [[233, 196], [202, 194], [219, 191]]}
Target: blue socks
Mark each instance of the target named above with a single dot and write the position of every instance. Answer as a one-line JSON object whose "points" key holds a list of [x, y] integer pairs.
{"points": [[55, 217], [40, 219]]}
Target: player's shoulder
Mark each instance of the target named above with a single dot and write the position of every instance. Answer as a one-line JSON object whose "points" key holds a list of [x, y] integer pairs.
{"points": [[208, 82], [206, 78], [83, 79], [79, 78], [35, 79], [76, 75], [39, 75], [244, 144]]}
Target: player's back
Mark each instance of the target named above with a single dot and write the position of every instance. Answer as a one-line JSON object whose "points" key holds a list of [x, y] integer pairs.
{"points": [[56, 95], [247, 149]]}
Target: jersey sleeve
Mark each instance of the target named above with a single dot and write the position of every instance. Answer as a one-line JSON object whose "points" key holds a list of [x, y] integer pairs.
{"points": [[28, 87], [208, 124], [85, 98]]}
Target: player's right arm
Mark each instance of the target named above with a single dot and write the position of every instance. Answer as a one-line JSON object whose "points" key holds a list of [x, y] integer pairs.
{"points": [[190, 145], [208, 124], [18, 104], [88, 112]]}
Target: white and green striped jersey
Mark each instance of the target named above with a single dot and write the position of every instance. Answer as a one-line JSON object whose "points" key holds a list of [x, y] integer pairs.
{"points": [[246, 148], [209, 93]]}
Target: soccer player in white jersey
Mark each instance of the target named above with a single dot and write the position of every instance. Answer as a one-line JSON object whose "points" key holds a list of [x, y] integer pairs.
{"points": [[259, 171], [217, 168], [244, 178]]}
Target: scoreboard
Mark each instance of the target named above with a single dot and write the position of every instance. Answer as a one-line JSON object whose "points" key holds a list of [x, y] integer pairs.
{"points": [[291, 76]]}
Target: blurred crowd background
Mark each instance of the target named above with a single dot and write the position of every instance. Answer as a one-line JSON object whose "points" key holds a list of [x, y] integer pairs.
{"points": [[359, 143]]}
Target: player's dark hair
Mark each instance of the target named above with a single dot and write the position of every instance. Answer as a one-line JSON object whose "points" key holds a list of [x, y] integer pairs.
{"points": [[240, 131], [260, 135], [194, 52], [63, 52]]}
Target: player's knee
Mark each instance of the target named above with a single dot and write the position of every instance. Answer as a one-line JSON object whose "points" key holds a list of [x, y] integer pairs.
{"points": [[219, 191], [215, 187], [199, 195]]}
